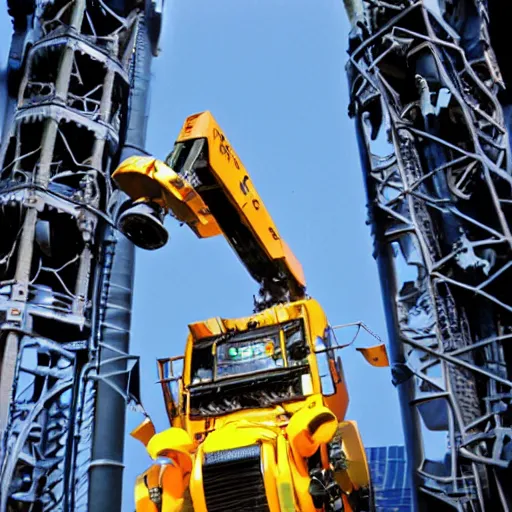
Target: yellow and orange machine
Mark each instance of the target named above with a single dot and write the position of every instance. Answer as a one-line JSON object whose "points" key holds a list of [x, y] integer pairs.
{"points": [[256, 405]]}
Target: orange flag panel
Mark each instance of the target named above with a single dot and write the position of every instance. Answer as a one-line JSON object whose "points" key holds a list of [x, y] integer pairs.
{"points": [[376, 356]]}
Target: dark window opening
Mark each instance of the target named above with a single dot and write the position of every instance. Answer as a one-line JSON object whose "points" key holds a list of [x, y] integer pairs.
{"points": [[326, 360]]}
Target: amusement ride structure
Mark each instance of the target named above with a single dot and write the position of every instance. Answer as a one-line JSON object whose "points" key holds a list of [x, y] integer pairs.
{"points": [[76, 95], [430, 92]]}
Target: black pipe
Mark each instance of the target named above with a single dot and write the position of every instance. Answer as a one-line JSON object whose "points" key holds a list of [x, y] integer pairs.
{"points": [[114, 309]]}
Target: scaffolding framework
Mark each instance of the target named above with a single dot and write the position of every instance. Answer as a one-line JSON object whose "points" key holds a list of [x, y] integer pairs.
{"points": [[430, 102], [77, 92]]}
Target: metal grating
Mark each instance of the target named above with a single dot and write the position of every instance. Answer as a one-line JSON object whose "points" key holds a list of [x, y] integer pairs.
{"points": [[233, 480]]}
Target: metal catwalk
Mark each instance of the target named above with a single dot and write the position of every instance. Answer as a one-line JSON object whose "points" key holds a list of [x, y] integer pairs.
{"points": [[429, 93], [77, 94]]}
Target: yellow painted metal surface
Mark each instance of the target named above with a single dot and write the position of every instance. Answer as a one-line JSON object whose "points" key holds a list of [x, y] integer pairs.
{"points": [[310, 427], [288, 432], [357, 468], [144, 432], [231, 174], [376, 356], [150, 180], [145, 178]]}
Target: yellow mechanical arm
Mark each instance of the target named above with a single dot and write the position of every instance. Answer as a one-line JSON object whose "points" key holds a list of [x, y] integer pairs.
{"points": [[204, 184], [163, 486]]}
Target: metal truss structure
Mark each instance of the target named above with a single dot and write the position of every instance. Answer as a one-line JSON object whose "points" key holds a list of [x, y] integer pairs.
{"points": [[429, 85], [76, 92]]}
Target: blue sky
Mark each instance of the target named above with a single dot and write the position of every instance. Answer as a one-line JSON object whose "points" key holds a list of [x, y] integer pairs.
{"points": [[272, 73]]}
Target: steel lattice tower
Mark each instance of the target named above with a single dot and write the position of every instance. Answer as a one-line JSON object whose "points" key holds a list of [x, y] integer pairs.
{"points": [[77, 95], [429, 85]]}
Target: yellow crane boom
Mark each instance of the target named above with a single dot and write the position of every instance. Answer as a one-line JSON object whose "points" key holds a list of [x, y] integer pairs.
{"points": [[205, 185]]}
